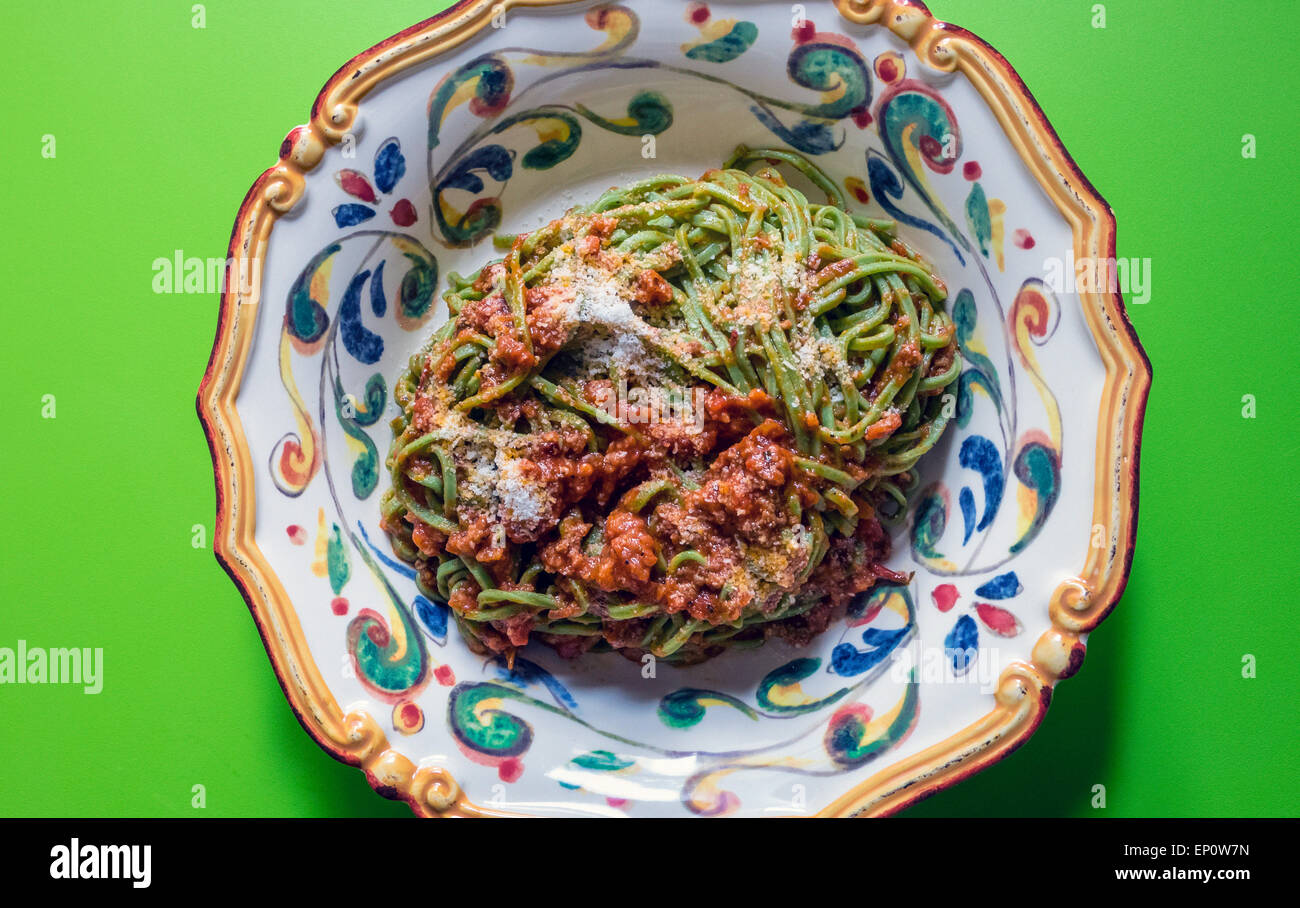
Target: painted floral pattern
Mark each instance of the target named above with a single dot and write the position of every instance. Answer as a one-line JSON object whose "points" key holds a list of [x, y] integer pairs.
{"points": [[389, 168]]}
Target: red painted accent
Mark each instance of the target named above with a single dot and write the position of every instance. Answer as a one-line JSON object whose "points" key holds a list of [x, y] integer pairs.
{"points": [[998, 620], [378, 634], [411, 714], [1023, 239], [291, 452], [945, 595], [354, 184], [619, 803], [868, 616], [930, 147], [297, 535], [339, 605], [804, 33], [287, 146], [887, 69], [446, 677], [1031, 299], [480, 108], [861, 117], [861, 710], [403, 213], [510, 769], [699, 13], [971, 170], [861, 194]]}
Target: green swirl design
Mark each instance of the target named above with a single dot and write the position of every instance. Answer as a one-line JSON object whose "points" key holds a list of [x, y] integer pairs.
{"points": [[415, 294], [728, 47], [305, 317], [847, 741], [1038, 467], [825, 67], [650, 112], [489, 731], [375, 398], [365, 469], [935, 129], [792, 673], [686, 707], [492, 92], [378, 665], [602, 761], [547, 154], [977, 217], [337, 561]]}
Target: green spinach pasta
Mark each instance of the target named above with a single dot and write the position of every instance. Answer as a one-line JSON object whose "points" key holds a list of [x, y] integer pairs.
{"points": [[672, 421]]}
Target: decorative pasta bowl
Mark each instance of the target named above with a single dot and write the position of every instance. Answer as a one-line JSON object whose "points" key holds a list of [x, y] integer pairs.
{"points": [[497, 117]]}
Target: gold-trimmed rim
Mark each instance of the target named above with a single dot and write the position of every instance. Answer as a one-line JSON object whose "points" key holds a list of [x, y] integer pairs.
{"points": [[1024, 689]]}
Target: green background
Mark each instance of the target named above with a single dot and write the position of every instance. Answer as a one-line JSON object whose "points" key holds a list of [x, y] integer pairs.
{"points": [[160, 130]]}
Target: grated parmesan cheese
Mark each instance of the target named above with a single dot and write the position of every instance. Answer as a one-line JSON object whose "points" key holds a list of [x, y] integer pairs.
{"points": [[523, 500]]}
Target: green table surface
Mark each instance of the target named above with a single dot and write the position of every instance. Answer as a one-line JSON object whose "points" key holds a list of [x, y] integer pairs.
{"points": [[161, 127]]}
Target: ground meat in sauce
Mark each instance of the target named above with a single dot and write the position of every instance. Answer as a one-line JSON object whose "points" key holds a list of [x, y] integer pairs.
{"points": [[735, 486], [476, 538], [651, 289], [428, 540], [741, 498]]}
